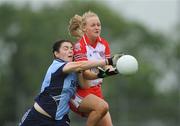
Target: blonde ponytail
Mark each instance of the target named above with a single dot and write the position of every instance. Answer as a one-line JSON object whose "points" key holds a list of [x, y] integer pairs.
{"points": [[75, 28]]}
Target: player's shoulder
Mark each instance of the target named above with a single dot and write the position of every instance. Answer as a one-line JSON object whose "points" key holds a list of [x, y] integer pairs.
{"points": [[79, 45], [58, 62], [104, 41], [55, 65]]}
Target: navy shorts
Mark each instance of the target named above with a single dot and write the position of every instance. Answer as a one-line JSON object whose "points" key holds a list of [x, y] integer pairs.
{"points": [[34, 118]]}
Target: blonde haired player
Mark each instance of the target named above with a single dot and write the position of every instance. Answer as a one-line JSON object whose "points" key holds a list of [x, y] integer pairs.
{"points": [[89, 98]]}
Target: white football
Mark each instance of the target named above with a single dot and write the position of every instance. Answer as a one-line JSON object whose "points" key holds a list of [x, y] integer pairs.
{"points": [[127, 65]]}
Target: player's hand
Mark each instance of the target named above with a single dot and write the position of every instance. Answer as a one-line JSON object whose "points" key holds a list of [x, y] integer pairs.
{"points": [[113, 60], [105, 73]]}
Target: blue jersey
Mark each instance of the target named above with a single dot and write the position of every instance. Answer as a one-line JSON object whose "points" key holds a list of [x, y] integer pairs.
{"points": [[57, 90]]}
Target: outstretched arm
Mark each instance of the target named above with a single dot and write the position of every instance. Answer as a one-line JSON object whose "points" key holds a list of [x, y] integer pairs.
{"points": [[109, 69], [83, 65]]}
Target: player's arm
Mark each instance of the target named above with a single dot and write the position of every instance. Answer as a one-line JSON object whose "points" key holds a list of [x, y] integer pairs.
{"points": [[82, 81], [83, 65], [107, 54], [89, 75], [107, 70]]}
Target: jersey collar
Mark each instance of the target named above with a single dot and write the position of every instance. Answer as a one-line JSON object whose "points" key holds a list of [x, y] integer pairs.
{"points": [[87, 41]]}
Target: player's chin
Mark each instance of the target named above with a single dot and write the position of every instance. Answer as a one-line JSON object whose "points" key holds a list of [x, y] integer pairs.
{"points": [[96, 35]]}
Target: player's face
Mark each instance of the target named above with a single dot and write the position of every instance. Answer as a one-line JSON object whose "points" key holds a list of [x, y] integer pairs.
{"points": [[66, 52], [93, 27]]}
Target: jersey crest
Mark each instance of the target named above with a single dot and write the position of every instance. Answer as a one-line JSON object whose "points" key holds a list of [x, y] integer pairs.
{"points": [[101, 53]]}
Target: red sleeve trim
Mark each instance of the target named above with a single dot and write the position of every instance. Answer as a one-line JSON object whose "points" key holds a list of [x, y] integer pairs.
{"points": [[107, 48]]}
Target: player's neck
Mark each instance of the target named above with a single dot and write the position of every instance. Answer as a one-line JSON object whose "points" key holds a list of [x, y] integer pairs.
{"points": [[92, 41]]}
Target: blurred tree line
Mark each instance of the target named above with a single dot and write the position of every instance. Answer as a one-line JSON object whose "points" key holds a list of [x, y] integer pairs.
{"points": [[148, 98]]}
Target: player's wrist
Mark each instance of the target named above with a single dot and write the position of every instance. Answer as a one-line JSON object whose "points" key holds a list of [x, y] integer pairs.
{"points": [[106, 62]]}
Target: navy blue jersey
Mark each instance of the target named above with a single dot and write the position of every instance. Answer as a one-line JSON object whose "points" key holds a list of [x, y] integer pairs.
{"points": [[57, 89]]}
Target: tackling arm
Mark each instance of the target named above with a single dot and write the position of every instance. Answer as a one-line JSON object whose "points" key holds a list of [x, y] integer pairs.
{"points": [[83, 65]]}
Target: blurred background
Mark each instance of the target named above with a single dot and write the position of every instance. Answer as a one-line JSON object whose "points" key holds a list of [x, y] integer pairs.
{"points": [[146, 29]]}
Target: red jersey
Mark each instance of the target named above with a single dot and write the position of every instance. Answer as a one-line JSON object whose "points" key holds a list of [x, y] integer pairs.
{"points": [[84, 50]]}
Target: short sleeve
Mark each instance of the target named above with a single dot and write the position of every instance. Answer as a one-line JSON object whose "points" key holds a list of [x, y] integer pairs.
{"points": [[107, 49]]}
